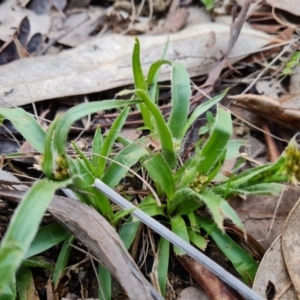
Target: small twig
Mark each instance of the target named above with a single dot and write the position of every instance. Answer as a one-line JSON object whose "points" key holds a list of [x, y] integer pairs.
{"points": [[135, 244], [16, 170], [11, 134], [271, 146], [284, 50], [274, 215], [255, 127], [294, 49], [9, 182]]}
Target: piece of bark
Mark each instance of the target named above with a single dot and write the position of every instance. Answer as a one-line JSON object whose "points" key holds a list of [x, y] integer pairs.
{"points": [[88, 226]]}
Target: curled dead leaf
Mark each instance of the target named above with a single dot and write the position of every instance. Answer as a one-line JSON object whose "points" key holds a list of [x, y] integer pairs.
{"points": [[272, 272], [269, 108], [291, 246]]}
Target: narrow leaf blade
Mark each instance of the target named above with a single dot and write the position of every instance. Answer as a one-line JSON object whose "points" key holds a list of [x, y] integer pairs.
{"points": [[217, 141], [163, 131], [202, 109], [110, 139], [181, 93], [179, 227], [23, 227], [47, 237], [160, 172], [244, 263], [27, 125]]}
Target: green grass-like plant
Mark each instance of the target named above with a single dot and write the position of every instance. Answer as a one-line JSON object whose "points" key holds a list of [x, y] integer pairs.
{"points": [[182, 188]]}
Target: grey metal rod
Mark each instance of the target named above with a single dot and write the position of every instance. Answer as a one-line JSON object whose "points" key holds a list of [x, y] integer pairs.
{"points": [[225, 276]]}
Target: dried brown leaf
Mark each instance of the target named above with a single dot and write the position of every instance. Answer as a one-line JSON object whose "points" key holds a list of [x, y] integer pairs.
{"points": [[105, 63], [258, 214], [291, 6], [269, 108], [11, 16], [176, 19], [291, 246], [75, 28], [272, 271]]}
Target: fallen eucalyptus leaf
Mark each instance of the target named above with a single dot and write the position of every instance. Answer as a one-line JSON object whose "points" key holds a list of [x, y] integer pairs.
{"points": [[291, 246], [105, 63], [272, 272], [11, 16], [292, 6]]}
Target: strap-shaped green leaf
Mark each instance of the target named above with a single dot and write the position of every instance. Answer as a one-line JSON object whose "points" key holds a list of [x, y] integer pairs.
{"points": [[96, 147], [9, 291], [198, 240], [160, 173], [243, 262], [25, 284], [261, 179], [47, 237], [27, 126], [202, 109], [140, 83], [85, 162], [128, 232], [120, 214], [23, 227], [138, 75], [153, 73], [185, 201], [62, 260], [162, 128], [38, 262], [110, 139], [78, 112], [154, 68], [105, 279], [220, 209], [181, 93], [48, 162], [217, 142], [150, 207], [127, 157], [162, 265], [179, 227]]}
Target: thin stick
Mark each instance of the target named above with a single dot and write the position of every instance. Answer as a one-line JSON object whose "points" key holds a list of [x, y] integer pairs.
{"points": [[267, 67], [253, 126], [274, 215]]}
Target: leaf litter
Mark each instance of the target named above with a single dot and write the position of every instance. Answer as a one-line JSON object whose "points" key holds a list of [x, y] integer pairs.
{"points": [[40, 78]]}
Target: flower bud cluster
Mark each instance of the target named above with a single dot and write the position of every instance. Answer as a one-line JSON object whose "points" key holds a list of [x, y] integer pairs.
{"points": [[292, 163], [61, 168], [198, 183]]}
